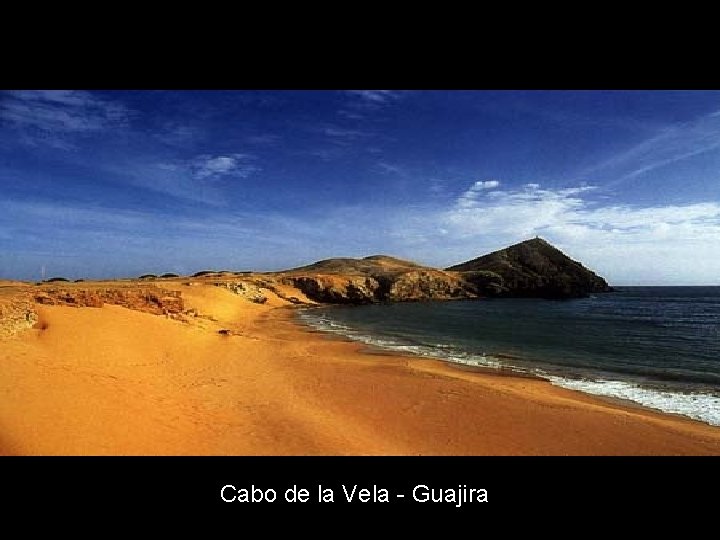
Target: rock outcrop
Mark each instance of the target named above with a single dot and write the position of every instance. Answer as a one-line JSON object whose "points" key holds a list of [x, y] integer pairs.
{"points": [[250, 291], [535, 268], [16, 315], [427, 285], [336, 289], [153, 300], [377, 278]]}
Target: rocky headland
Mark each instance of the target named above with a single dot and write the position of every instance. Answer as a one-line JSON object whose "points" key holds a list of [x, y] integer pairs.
{"points": [[533, 268]]}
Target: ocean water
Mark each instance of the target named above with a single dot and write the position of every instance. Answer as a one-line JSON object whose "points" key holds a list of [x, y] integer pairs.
{"points": [[656, 346]]}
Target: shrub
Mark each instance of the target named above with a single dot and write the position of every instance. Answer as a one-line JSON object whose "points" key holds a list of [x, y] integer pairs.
{"points": [[57, 279], [169, 274]]}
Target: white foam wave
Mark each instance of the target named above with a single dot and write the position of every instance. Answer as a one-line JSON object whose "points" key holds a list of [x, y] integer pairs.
{"points": [[699, 406], [442, 351]]}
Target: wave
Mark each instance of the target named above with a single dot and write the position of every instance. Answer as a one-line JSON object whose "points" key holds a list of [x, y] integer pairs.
{"points": [[697, 405], [436, 350], [701, 406]]}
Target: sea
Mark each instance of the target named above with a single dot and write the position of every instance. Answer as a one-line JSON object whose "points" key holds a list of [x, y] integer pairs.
{"points": [[656, 346]]}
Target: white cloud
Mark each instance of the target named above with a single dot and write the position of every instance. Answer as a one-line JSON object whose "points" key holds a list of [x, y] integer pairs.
{"points": [[530, 210], [627, 243], [53, 116], [366, 103], [377, 97], [470, 197], [488, 184], [208, 167]]}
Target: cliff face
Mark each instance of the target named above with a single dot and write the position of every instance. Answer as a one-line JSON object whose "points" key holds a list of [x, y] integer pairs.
{"points": [[378, 278], [337, 289], [153, 300], [427, 285], [535, 268]]}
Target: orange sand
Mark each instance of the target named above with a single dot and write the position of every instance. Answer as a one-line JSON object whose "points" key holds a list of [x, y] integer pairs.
{"points": [[116, 381]]}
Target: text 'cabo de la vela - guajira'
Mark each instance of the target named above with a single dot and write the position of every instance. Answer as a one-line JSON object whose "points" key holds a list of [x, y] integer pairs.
{"points": [[420, 493]]}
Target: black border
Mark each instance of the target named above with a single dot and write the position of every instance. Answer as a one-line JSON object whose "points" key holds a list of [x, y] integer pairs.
{"points": [[521, 489], [523, 492]]}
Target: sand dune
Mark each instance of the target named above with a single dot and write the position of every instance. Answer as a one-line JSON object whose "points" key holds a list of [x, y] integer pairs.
{"points": [[110, 380]]}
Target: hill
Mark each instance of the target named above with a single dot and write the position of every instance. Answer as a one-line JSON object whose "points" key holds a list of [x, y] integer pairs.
{"points": [[378, 278], [535, 268], [366, 265]]}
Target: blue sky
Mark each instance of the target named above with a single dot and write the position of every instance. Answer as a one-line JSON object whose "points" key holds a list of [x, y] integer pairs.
{"points": [[121, 183]]}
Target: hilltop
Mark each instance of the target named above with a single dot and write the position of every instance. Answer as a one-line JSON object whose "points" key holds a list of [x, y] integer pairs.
{"points": [[535, 268], [366, 265]]}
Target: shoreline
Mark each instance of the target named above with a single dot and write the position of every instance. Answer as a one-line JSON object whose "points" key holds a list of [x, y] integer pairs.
{"points": [[502, 369], [486, 371], [114, 381]]}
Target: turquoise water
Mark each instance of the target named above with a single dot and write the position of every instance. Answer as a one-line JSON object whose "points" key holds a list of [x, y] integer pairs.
{"points": [[657, 346]]}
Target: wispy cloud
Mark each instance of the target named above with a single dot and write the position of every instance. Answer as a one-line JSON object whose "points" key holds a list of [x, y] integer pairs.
{"points": [[392, 168], [178, 134], [326, 154], [514, 213], [363, 104], [214, 167], [352, 114], [71, 238], [670, 145], [375, 97], [437, 186], [341, 135], [54, 117], [471, 196], [88, 236], [201, 178], [338, 142]]}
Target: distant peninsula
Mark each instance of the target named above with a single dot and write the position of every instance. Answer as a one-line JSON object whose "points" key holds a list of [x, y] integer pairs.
{"points": [[533, 268], [530, 269]]}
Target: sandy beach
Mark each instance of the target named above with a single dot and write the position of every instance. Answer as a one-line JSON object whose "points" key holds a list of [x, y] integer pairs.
{"points": [[115, 381]]}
